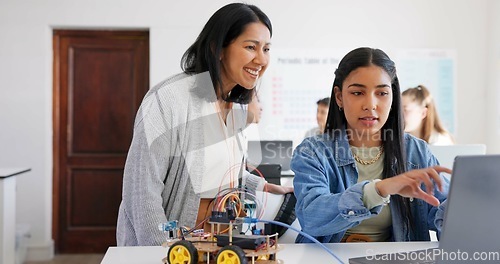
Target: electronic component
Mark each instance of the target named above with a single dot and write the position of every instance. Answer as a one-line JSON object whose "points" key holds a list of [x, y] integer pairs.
{"points": [[243, 241], [170, 228], [222, 217]]}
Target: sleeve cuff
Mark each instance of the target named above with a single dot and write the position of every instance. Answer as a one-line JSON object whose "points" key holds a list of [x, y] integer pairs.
{"points": [[371, 198], [253, 183]]}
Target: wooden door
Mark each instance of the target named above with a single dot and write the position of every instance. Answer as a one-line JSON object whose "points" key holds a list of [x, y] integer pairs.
{"points": [[100, 78]]}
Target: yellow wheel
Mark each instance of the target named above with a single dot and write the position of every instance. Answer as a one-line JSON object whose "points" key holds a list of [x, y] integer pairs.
{"points": [[231, 255], [182, 252]]}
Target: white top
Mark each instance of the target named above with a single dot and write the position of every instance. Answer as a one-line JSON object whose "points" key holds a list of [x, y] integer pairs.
{"points": [[438, 139], [226, 145]]}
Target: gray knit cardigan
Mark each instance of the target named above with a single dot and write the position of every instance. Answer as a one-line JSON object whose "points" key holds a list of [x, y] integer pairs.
{"points": [[165, 162]]}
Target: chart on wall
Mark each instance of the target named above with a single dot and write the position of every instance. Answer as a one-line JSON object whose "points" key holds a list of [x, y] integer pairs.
{"points": [[298, 78], [436, 70], [295, 81]]}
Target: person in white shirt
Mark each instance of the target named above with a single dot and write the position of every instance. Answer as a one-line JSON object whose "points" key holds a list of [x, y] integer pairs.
{"points": [[254, 110], [421, 117], [321, 115]]}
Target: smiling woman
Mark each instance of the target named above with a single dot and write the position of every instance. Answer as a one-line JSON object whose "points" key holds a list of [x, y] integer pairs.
{"points": [[246, 58], [188, 133]]}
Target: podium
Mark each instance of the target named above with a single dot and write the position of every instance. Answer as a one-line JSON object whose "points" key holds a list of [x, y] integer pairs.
{"points": [[8, 213]]}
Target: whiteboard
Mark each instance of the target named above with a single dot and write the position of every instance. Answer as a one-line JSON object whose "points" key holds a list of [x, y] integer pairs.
{"points": [[294, 82], [436, 70]]}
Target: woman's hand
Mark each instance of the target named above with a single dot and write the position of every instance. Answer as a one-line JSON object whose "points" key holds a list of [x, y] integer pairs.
{"points": [[408, 184], [277, 189]]}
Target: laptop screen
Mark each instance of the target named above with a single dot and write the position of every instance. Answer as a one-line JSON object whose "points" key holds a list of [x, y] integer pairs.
{"points": [[472, 209], [270, 152], [469, 233], [446, 154]]}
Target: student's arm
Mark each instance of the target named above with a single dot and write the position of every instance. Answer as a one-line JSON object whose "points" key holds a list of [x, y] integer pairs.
{"points": [[277, 189], [254, 183], [324, 205]]}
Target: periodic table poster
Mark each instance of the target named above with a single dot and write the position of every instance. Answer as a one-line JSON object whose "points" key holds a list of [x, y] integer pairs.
{"points": [[294, 82]]}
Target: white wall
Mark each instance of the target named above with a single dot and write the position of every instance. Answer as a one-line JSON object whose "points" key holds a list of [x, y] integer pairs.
{"points": [[471, 27], [492, 93]]}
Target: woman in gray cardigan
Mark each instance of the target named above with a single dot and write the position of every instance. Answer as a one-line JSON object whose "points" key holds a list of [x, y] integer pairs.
{"points": [[188, 133]]}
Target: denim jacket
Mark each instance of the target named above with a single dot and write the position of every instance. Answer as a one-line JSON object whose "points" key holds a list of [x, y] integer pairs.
{"points": [[329, 197]]}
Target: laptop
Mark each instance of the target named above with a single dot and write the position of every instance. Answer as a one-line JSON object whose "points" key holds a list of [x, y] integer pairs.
{"points": [[271, 152], [469, 230], [271, 172], [446, 154]]}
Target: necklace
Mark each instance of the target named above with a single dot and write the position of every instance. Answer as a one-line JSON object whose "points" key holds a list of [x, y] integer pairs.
{"points": [[369, 162]]}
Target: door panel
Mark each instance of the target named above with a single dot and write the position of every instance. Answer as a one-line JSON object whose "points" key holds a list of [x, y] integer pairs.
{"points": [[100, 78], [91, 211], [97, 112]]}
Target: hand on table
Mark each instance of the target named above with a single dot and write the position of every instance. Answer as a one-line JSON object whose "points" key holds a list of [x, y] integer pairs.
{"points": [[277, 189]]}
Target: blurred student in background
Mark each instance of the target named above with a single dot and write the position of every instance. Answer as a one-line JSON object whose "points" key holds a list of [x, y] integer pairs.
{"points": [[421, 117], [254, 110], [321, 115]]}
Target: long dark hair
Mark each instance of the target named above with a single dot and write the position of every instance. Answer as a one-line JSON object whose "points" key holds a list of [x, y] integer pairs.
{"points": [[392, 131], [225, 25]]}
